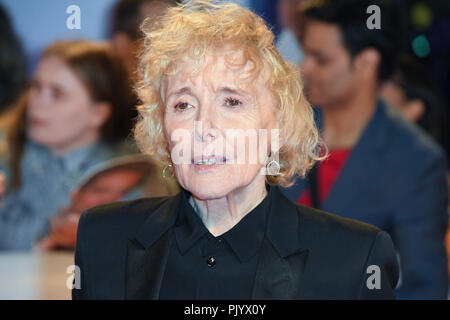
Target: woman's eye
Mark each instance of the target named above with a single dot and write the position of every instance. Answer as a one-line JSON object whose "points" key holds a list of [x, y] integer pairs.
{"points": [[35, 86], [231, 102], [56, 93], [182, 106]]}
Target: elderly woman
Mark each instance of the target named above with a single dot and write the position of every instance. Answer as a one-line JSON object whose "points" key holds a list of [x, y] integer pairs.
{"points": [[209, 71]]}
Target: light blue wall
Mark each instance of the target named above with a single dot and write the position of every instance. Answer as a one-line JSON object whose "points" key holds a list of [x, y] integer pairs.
{"points": [[41, 22]]}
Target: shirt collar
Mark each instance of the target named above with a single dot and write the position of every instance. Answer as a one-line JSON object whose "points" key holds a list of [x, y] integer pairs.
{"points": [[189, 227], [75, 160], [244, 238]]}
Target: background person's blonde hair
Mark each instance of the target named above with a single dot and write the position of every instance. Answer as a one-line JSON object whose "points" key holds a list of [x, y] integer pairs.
{"points": [[186, 32]]}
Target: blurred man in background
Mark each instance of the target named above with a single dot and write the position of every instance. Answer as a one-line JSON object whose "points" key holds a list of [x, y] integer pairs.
{"points": [[125, 34], [381, 169], [292, 25], [411, 90]]}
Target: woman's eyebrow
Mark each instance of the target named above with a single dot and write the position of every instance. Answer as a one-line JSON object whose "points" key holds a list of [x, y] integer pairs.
{"points": [[181, 91], [229, 90], [226, 90]]}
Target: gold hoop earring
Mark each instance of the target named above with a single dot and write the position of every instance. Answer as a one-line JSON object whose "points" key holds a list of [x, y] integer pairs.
{"points": [[164, 174]]}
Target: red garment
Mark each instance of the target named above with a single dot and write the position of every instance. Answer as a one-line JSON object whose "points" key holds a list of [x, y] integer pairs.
{"points": [[328, 171]]}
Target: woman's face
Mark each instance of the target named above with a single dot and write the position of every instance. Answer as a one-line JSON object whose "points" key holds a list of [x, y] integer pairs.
{"points": [[203, 111], [61, 114]]}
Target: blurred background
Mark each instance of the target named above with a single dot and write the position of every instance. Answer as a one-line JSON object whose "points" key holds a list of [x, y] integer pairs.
{"points": [[426, 36], [50, 173]]}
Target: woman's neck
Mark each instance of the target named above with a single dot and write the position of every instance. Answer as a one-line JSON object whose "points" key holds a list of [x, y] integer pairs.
{"points": [[74, 145], [220, 215]]}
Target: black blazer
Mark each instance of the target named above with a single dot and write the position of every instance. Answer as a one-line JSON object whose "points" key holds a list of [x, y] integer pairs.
{"points": [[122, 250]]}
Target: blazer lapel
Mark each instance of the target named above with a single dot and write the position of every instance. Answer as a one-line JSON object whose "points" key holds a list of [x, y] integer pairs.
{"points": [[148, 252], [145, 268], [282, 260], [364, 160], [278, 277]]}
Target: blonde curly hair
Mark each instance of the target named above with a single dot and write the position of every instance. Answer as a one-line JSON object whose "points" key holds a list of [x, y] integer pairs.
{"points": [[186, 32]]}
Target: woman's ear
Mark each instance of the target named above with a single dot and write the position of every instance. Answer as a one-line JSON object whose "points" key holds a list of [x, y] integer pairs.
{"points": [[100, 115]]}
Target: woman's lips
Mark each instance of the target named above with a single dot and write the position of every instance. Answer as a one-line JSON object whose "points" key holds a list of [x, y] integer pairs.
{"points": [[208, 163], [207, 167], [208, 160], [36, 122]]}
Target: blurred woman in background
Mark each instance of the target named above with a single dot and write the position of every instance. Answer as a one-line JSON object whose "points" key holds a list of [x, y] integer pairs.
{"points": [[76, 114]]}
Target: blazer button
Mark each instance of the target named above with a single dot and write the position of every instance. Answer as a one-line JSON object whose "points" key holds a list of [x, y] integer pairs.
{"points": [[211, 261]]}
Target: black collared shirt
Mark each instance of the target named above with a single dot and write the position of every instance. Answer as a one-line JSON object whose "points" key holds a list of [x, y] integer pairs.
{"points": [[202, 266]]}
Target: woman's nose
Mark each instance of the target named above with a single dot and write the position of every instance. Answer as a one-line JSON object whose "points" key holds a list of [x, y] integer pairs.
{"points": [[204, 131], [205, 125], [38, 99]]}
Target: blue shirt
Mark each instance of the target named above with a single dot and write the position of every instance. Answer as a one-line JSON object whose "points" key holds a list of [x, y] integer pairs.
{"points": [[46, 183]]}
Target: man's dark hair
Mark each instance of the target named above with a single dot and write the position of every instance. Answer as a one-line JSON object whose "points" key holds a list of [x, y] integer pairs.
{"points": [[351, 18], [416, 83], [126, 16]]}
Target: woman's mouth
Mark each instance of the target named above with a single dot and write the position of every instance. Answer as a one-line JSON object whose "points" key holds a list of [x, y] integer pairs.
{"points": [[209, 161], [205, 163], [36, 122]]}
